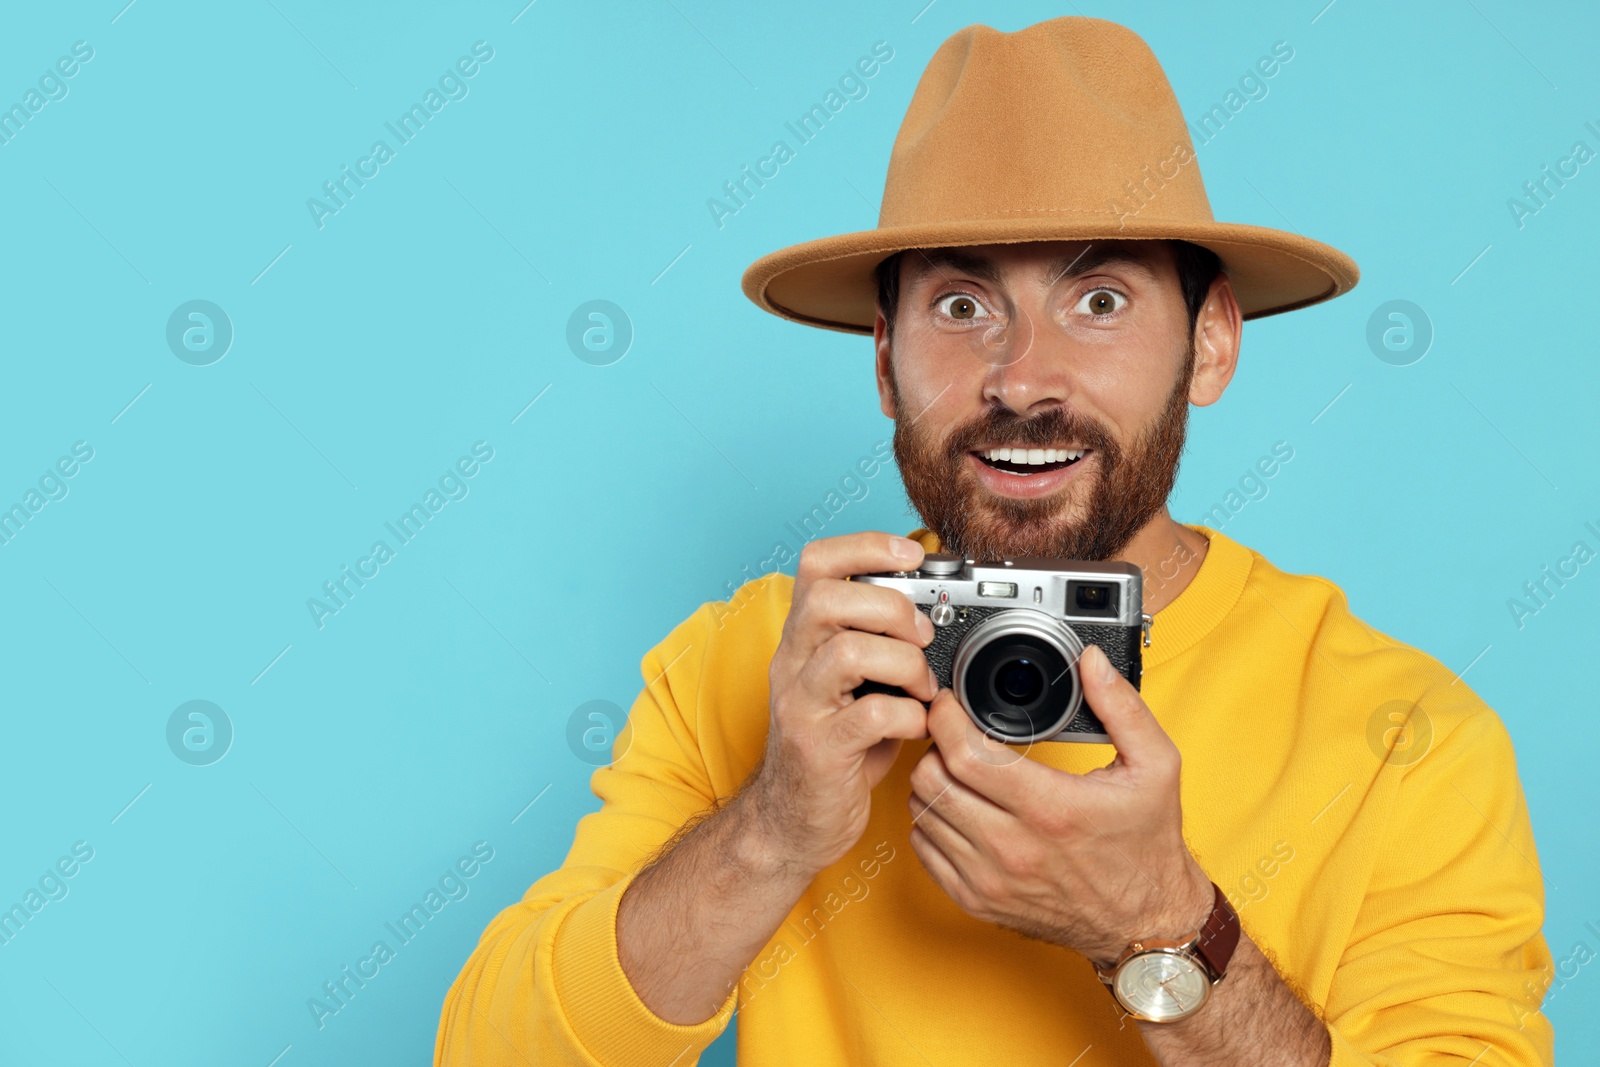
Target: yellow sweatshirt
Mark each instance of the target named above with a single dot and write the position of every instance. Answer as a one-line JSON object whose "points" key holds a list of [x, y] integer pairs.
{"points": [[1385, 864]]}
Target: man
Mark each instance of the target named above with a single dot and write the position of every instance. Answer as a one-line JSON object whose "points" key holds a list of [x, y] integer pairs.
{"points": [[1306, 842]]}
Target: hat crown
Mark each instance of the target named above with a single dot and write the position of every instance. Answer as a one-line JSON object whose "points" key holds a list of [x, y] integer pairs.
{"points": [[1070, 117]]}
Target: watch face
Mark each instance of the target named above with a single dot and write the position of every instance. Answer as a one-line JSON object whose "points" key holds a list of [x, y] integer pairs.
{"points": [[1161, 986]]}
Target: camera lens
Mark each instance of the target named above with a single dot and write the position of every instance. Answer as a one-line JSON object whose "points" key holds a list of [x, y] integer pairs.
{"points": [[1020, 681], [1018, 685], [1016, 674]]}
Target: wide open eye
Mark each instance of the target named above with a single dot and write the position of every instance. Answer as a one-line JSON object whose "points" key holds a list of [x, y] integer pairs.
{"points": [[961, 307], [1102, 302]]}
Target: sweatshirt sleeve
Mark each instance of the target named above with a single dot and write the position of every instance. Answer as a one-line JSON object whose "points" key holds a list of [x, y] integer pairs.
{"points": [[1447, 959], [544, 985]]}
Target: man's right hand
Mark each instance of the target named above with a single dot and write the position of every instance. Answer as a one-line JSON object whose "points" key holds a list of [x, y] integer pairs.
{"points": [[826, 750]]}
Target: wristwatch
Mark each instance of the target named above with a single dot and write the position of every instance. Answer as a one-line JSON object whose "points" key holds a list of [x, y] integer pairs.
{"points": [[1162, 981]]}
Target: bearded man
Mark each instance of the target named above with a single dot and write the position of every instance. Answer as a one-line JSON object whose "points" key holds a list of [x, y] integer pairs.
{"points": [[1305, 842]]}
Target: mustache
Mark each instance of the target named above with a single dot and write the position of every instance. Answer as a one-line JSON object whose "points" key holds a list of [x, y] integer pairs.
{"points": [[998, 427]]}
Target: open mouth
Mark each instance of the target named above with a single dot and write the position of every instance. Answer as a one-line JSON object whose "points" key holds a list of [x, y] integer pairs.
{"points": [[1025, 461]]}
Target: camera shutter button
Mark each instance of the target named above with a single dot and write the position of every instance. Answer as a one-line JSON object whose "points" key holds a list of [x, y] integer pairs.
{"points": [[941, 564]]}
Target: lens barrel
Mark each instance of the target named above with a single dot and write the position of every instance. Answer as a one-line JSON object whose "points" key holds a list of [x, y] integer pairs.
{"points": [[1016, 674]]}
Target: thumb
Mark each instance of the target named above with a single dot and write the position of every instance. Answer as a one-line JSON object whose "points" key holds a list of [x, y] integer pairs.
{"points": [[1128, 720]]}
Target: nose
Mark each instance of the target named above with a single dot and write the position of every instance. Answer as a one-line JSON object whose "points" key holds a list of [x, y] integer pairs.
{"points": [[1031, 364]]}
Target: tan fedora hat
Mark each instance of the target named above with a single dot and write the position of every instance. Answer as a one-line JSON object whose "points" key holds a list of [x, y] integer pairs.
{"points": [[1064, 131]]}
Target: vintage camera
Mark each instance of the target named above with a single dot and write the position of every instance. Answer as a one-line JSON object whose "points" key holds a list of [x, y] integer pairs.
{"points": [[1008, 634]]}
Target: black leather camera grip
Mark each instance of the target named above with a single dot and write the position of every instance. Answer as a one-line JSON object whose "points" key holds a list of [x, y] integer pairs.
{"points": [[866, 688]]}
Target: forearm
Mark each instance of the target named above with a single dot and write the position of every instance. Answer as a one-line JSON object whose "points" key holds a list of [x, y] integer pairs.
{"points": [[1251, 1017], [690, 923]]}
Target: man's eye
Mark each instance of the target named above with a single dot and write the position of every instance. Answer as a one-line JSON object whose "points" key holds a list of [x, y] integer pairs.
{"points": [[961, 306], [1102, 302]]}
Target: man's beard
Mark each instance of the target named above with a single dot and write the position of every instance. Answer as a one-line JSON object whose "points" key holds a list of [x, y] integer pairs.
{"points": [[1130, 486]]}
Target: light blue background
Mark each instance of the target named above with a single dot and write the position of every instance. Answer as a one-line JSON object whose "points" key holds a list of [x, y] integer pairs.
{"points": [[427, 314]]}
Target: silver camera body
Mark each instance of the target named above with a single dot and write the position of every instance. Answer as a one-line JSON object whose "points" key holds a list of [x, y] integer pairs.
{"points": [[1008, 634]]}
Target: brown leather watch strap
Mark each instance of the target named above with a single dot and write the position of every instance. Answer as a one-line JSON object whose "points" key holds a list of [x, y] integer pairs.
{"points": [[1220, 935]]}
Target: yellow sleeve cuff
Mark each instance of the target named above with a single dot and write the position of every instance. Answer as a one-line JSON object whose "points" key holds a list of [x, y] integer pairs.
{"points": [[599, 1003]]}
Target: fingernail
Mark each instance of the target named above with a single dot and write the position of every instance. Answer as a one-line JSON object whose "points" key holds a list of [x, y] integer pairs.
{"points": [[905, 549], [924, 627]]}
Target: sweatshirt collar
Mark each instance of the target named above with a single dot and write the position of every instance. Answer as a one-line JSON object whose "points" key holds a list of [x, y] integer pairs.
{"points": [[1195, 612]]}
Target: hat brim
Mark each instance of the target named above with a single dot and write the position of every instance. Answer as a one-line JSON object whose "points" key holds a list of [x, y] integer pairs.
{"points": [[830, 282]]}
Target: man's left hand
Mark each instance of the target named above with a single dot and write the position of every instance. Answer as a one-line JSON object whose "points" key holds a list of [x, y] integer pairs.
{"points": [[1090, 861]]}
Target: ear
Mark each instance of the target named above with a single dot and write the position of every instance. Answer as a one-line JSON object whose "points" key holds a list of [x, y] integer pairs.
{"points": [[1217, 333], [880, 344]]}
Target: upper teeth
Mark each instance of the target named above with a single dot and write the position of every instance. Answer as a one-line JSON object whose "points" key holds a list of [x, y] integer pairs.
{"points": [[1034, 455]]}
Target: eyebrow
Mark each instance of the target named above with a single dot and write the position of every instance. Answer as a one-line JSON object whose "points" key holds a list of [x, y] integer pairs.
{"points": [[979, 266]]}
